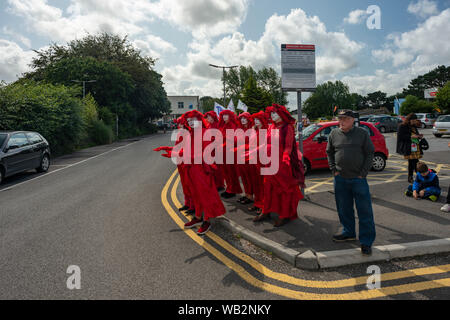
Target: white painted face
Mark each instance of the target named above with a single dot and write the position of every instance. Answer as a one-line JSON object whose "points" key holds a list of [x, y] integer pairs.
{"points": [[210, 119], [244, 121], [226, 117], [258, 123], [275, 117], [193, 122]]}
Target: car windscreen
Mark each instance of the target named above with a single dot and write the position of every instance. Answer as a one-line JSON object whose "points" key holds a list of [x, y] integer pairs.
{"points": [[310, 130], [2, 138], [373, 119], [440, 119], [420, 116]]}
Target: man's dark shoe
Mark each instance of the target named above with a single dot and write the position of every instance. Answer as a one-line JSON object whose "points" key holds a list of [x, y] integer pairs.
{"points": [[261, 217], [343, 238], [227, 195], [184, 208], [366, 250]]}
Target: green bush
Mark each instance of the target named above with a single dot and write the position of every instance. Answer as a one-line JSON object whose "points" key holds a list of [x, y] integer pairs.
{"points": [[413, 104], [100, 133], [48, 109]]}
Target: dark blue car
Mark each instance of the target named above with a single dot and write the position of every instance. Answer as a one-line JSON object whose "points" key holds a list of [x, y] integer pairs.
{"points": [[21, 151]]}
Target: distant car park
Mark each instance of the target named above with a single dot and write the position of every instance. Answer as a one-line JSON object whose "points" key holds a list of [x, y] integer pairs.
{"points": [[22, 151], [442, 126]]}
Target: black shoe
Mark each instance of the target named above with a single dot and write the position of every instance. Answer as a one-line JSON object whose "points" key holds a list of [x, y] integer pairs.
{"points": [[220, 189], [366, 250], [242, 199], [408, 193], [342, 238], [184, 208], [227, 195], [190, 212]]}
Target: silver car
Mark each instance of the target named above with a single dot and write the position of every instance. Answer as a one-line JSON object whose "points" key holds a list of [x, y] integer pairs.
{"points": [[427, 119], [442, 126]]}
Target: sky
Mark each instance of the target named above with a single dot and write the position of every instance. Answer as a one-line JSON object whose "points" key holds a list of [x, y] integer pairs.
{"points": [[185, 36]]}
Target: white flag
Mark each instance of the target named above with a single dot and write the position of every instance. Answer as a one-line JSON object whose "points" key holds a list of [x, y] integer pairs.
{"points": [[231, 106], [242, 106], [218, 108]]}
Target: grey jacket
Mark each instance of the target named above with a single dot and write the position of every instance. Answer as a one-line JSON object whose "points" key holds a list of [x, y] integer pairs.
{"points": [[351, 153]]}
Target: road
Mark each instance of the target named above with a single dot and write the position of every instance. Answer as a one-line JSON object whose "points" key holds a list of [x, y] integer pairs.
{"points": [[105, 214]]}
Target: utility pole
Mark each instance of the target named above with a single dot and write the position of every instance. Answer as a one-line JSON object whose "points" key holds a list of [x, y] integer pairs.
{"points": [[223, 77]]}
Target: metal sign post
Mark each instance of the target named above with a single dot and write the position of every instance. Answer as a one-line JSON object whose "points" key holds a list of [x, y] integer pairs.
{"points": [[298, 74]]}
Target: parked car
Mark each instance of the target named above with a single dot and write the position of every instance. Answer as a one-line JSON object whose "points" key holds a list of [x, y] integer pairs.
{"points": [[315, 141], [385, 123], [427, 119], [442, 126], [21, 151], [364, 118]]}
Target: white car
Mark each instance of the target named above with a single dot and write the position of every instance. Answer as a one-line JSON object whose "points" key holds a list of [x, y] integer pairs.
{"points": [[442, 126], [427, 119]]}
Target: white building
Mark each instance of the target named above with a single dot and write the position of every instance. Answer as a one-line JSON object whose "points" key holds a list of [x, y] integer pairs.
{"points": [[182, 104]]}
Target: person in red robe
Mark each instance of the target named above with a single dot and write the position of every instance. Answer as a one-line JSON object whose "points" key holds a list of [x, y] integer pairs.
{"points": [[282, 190], [228, 121], [257, 179], [200, 177], [245, 122], [213, 123], [188, 202]]}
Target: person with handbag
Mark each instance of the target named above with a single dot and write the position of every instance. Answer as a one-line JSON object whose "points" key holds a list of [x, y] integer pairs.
{"points": [[408, 143]]}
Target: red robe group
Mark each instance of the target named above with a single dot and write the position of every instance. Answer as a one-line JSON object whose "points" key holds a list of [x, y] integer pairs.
{"points": [[276, 193]]}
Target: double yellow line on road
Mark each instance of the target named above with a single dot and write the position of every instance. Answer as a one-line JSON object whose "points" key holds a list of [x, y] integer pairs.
{"points": [[293, 294]]}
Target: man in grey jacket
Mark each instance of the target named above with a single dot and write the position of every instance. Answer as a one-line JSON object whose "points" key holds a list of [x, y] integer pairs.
{"points": [[350, 154]]}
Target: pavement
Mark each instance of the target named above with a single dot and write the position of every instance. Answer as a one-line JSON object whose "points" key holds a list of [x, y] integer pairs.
{"points": [[405, 227]]}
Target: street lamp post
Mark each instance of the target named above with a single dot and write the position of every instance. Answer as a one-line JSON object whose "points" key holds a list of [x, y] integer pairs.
{"points": [[224, 89], [84, 85]]}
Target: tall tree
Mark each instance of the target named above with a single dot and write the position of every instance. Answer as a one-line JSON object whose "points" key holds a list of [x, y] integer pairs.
{"points": [[147, 100], [254, 97], [328, 95], [443, 98], [377, 99], [436, 78]]}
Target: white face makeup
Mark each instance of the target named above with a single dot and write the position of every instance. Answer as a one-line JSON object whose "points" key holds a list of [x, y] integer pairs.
{"points": [[258, 123], [226, 117], [275, 117], [244, 121], [193, 122], [210, 119]]}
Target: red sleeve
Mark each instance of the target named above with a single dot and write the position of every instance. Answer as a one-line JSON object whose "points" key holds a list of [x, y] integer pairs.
{"points": [[289, 140]]}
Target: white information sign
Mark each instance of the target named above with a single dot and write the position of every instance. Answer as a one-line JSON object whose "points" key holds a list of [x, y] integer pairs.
{"points": [[298, 66]]}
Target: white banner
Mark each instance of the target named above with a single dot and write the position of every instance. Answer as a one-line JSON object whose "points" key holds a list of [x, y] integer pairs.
{"points": [[242, 106]]}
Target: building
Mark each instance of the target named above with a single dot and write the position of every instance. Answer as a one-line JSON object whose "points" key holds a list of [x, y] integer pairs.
{"points": [[182, 104]]}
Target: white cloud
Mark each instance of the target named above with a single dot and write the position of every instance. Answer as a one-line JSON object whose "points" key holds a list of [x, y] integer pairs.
{"points": [[356, 17], [17, 36], [14, 60], [427, 44], [203, 18], [336, 53], [423, 8]]}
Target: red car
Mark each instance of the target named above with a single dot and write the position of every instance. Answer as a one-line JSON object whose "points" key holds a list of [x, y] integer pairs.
{"points": [[315, 141]]}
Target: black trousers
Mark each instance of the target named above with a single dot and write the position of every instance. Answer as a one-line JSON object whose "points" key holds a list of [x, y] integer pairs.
{"points": [[412, 166], [448, 195]]}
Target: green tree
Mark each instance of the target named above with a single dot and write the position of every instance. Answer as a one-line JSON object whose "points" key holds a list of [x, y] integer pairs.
{"points": [[254, 97], [412, 104], [377, 99], [328, 95], [147, 101], [443, 98], [266, 79], [436, 78]]}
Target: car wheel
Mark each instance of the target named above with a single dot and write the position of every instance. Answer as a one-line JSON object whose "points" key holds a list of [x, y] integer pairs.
{"points": [[382, 129], [307, 166], [423, 126], [45, 164], [438, 135], [379, 162]]}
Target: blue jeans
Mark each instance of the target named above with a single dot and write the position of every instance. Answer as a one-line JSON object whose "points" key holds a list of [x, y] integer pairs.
{"points": [[347, 192]]}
